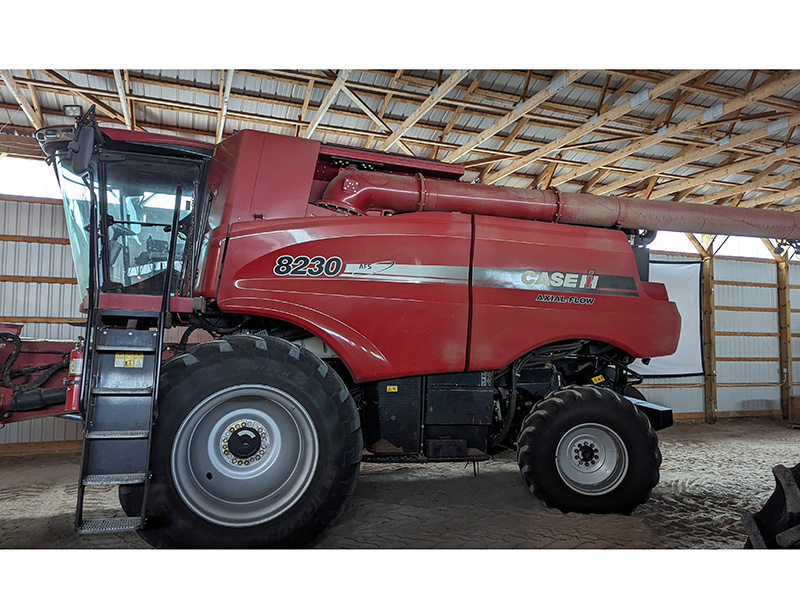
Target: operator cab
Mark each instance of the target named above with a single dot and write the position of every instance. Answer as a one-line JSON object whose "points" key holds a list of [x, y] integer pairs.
{"points": [[137, 186]]}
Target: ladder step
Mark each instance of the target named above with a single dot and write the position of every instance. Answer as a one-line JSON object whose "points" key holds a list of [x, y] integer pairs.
{"points": [[107, 391], [115, 479], [110, 525], [117, 435]]}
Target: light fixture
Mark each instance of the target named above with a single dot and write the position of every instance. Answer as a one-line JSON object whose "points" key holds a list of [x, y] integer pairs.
{"points": [[72, 110]]}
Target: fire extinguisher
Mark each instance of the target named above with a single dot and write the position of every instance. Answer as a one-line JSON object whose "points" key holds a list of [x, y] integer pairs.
{"points": [[73, 380]]}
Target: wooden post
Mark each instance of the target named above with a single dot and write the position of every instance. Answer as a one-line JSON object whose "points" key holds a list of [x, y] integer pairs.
{"points": [[709, 332], [785, 330]]}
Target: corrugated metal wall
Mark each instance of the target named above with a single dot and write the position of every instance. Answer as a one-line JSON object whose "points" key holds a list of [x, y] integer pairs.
{"points": [[794, 301], [748, 363], [32, 300], [747, 342]]}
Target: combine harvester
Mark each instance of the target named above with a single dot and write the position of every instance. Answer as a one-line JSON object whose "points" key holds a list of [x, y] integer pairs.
{"points": [[357, 306]]}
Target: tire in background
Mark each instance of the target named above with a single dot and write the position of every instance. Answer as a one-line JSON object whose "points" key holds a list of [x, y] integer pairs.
{"points": [[777, 524], [587, 449]]}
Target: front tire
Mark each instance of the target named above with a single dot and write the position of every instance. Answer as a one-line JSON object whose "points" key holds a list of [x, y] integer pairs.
{"points": [[257, 444], [586, 449]]}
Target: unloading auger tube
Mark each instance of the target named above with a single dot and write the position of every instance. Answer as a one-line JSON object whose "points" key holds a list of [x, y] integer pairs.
{"points": [[360, 192]]}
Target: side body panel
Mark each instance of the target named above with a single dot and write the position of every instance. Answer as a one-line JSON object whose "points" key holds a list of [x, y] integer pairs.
{"points": [[390, 295], [536, 283]]}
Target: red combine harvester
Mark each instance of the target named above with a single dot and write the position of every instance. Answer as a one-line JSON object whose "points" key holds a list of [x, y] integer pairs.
{"points": [[357, 306]]}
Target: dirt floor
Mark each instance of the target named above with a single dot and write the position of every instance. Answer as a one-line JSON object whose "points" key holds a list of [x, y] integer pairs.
{"points": [[710, 475]]}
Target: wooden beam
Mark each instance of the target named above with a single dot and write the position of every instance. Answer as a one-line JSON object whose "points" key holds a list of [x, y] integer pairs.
{"points": [[387, 97], [327, 101], [20, 145], [90, 98], [698, 246], [32, 279], [455, 116], [556, 121], [709, 331], [32, 239], [15, 90], [559, 82], [34, 97], [753, 184], [669, 131], [28, 199], [304, 108], [61, 320], [723, 171], [223, 105], [438, 93], [784, 328], [123, 99], [770, 199], [597, 121], [685, 159], [374, 117]]}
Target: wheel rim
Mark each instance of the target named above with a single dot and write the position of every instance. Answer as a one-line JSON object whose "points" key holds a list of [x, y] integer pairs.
{"points": [[244, 455], [591, 459]]}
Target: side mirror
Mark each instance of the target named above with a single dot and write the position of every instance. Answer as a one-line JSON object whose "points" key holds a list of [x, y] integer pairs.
{"points": [[81, 150]]}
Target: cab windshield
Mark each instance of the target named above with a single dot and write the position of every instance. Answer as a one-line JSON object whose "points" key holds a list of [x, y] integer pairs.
{"points": [[136, 196]]}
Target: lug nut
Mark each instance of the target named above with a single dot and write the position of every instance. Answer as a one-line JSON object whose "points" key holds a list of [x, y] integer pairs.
{"points": [[593, 462]]}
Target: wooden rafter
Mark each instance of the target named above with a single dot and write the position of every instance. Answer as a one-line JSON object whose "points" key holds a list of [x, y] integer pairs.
{"points": [[34, 96], [756, 182], [606, 117], [792, 191], [686, 159], [551, 121], [560, 81], [670, 131], [304, 108], [726, 170], [374, 116], [455, 116], [385, 104], [327, 101], [223, 104], [123, 98], [437, 94], [91, 98], [34, 118]]}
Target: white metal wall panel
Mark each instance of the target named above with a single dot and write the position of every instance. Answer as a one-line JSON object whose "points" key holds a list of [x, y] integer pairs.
{"points": [[753, 397], [41, 260], [744, 399], [730, 269], [27, 218], [679, 399], [738, 295], [735, 346], [48, 429], [746, 322]]}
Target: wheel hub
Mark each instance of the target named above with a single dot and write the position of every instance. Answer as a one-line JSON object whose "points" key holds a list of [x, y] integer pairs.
{"points": [[244, 442], [591, 459]]}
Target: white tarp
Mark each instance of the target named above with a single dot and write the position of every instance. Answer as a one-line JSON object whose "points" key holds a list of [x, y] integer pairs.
{"points": [[683, 286]]}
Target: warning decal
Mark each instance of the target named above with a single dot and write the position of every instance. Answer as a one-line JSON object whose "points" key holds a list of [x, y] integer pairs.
{"points": [[129, 361]]}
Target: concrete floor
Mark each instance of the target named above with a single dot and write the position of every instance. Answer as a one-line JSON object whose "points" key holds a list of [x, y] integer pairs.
{"points": [[710, 475]]}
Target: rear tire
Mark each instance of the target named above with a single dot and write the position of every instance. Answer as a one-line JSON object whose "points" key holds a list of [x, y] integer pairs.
{"points": [[257, 444], [586, 449]]}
